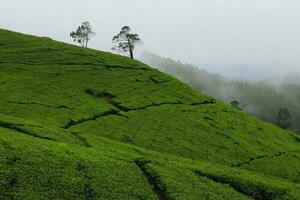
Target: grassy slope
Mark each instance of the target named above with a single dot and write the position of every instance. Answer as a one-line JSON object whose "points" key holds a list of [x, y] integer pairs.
{"points": [[260, 99], [79, 123]]}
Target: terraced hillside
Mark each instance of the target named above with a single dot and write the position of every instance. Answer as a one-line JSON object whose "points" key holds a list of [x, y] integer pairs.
{"points": [[77, 123]]}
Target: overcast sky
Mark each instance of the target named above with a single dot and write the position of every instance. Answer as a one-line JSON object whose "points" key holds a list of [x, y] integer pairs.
{"points": [[224, 32]]}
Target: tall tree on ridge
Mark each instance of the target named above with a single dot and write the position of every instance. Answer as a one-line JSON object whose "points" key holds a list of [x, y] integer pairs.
{"points": [[83, 34], [126, 41]]}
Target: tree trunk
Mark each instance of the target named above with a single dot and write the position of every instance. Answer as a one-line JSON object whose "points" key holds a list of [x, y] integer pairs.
{"points": [[131, 54], [130, 48]]}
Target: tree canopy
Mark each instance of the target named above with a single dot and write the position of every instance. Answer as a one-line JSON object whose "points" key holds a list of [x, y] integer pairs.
{"points": [[284, 118], [126, 41], [83, 34]]}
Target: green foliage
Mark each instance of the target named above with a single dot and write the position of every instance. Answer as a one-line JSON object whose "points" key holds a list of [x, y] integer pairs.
{"points": [[126, 41], [76, 123], [283, 119], [259, 98], [83, 34]]}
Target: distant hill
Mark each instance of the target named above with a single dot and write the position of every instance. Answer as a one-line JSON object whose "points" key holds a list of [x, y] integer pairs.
{"points": [[261, 99], [283, 80], [78, 123]]}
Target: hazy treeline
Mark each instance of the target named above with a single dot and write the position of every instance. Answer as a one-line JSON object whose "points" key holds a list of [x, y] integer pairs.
{"points": [[260, 99]]}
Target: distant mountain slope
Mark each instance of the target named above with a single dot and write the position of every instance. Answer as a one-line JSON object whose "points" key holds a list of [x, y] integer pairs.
{"points": [[77, 123], [261, 99], [285, 79]]}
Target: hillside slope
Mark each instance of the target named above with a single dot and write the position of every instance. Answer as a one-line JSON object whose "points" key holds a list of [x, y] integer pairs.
{"points": [[262, 99], [83, 124]]}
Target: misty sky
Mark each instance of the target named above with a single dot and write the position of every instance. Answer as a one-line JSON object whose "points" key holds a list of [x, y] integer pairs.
{"points": [[223, 32]]}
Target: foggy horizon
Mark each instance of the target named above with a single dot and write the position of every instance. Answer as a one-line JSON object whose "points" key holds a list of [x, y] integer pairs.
{"points": [[252, 33]]}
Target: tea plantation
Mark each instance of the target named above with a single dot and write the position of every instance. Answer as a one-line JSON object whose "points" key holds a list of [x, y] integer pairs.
{"points": [[77, 123]]}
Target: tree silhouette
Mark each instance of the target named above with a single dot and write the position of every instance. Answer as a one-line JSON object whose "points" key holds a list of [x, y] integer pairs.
{"points": [[283, 119], [126, 41], [83, 34], [236, 104]]}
